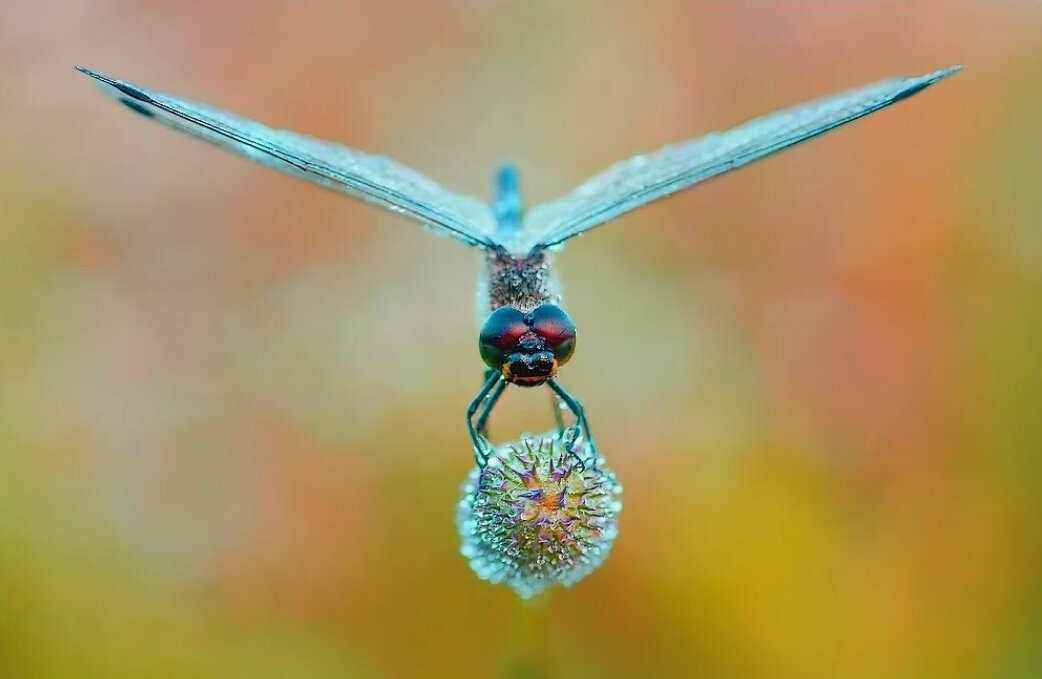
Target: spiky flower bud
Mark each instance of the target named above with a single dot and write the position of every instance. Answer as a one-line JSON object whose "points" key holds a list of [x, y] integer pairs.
{"points": [[536, 515]]}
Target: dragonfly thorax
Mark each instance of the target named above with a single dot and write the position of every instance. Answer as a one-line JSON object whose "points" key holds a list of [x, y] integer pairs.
{"points": [[527, 347], [524, 281]]}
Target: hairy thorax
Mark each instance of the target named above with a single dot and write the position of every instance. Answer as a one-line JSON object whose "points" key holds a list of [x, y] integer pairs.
{"points": [[522, 282]]}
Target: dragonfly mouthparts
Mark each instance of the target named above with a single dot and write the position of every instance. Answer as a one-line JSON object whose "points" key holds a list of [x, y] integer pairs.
{"points": [[530, 369]]}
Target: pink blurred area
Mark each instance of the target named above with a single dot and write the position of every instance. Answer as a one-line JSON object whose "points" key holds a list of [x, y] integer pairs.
{"points": [[231, 404]]}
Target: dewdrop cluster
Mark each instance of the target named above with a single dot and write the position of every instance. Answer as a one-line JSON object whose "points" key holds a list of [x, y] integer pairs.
{"points": [[536, 515]]}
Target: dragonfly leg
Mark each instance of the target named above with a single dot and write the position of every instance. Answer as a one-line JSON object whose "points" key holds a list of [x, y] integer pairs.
{"points": [[555, 405], [482, 447], [490, 403], [482, 424], [581, 426]]}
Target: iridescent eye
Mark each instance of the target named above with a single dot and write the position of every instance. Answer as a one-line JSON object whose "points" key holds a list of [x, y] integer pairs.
{"points": [[551, 323], [500, 334]]}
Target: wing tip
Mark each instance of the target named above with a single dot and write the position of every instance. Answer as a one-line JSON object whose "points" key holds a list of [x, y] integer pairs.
{"points": [[126, 88], [94, 74], [910, 86], [940, 74]]}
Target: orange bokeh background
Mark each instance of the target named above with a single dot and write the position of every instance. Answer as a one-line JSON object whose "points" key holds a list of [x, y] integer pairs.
{"points": [[231, 404]]}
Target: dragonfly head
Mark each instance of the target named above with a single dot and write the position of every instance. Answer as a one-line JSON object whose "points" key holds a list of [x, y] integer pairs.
{"points": [[527, 348]]}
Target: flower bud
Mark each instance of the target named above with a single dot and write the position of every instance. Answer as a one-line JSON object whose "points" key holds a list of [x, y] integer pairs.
{"points": [[537, 514]]}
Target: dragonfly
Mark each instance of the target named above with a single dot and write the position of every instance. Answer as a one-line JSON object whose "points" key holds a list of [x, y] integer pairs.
{"points": [[526, 335]]}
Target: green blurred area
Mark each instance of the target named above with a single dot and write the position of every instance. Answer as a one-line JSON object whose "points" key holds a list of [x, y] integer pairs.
{"points": [[231, 405]]}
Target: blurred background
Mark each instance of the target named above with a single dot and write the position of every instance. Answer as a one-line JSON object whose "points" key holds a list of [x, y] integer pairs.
{"points": [[231, 404]]}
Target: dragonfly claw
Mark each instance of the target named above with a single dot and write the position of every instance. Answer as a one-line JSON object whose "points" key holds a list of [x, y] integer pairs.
{"points": [[578, 446], [483, 449]]}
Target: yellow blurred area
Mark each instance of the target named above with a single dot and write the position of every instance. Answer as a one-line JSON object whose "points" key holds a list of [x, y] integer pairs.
{"points": [[231, 404]]}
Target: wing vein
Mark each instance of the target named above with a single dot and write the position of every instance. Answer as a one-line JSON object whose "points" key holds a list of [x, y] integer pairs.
{"points": [[640, 180], [374, 178]]}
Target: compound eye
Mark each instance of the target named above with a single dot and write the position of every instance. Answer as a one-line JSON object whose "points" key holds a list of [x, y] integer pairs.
{"points": [[500, 334], [550, 322]]}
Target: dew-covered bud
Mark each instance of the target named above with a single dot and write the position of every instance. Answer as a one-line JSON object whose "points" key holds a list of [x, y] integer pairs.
{"points": [[536, 515]]}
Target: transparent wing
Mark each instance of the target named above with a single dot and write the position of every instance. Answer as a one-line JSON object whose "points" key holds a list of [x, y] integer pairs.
{"points": [[376, 179], [642, 179]]}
